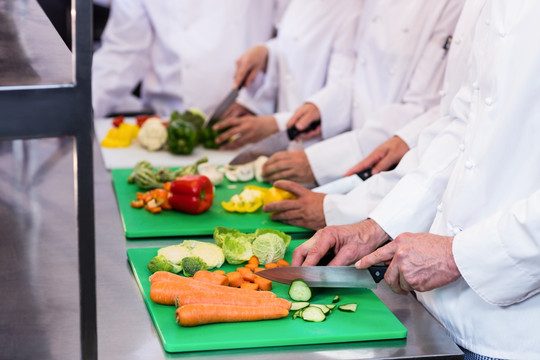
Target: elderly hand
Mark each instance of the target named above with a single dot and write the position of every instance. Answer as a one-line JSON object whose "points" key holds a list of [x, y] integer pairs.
{"points": [[383, 157], [288, 165], [303, 117], [239, 131], [419, 262], [249, 64], [306, 210], [348, 243]]}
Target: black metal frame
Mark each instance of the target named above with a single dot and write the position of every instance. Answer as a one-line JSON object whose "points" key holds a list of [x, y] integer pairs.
{"points": [[67, 111]]}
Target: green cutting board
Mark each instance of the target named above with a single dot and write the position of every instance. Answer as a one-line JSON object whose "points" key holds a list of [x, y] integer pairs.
{"points": [[371, 321], [139, 223]]}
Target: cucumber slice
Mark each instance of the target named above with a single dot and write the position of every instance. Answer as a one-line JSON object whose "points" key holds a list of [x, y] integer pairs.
{"points": [[336, 299], [299, 291], [325, 309], [299, 305], [298, 314], [348, 307], [313, 314], [331, 306]]}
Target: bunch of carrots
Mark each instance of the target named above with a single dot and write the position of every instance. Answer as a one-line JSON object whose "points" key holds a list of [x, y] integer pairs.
{"points": [[204, 300]]}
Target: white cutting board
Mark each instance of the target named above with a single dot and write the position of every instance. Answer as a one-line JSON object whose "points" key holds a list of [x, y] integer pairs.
{"points": [[126, 158]]}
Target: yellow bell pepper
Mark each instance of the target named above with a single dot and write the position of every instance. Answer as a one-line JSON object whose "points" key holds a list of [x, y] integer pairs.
{"points": [[120, 136], [277, 194], [248, 201]]}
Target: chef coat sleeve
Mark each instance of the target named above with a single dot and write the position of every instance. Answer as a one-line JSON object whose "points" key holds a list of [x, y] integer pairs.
{"points": [[411, 131], [499, 257], [123, 59]]}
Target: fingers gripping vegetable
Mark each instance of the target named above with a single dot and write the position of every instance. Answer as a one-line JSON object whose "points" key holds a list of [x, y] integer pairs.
{"points": [[192, 194]]}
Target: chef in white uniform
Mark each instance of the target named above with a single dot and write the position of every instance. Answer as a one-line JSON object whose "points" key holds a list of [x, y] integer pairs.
{"points": [[401, 57], [312, 55], [472, 207], [183, 51]]}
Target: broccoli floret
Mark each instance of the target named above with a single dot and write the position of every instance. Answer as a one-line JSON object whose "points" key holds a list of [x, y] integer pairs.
{"points": [[160, 263], [192, 264]]}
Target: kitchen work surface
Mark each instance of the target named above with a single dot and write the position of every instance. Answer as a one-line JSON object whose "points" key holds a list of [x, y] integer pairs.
{"points": [[126, 158], [371, 321], [139, 223]]}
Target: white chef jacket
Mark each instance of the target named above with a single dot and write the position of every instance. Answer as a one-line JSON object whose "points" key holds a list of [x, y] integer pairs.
{"points": [[490, 199], [313, 54], [183, 51], [398, 76]]}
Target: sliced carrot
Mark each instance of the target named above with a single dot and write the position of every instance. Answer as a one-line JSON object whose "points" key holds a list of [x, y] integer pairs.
{"points": [[282, 262], [262, 283], [200, 314], [140, 196], [187, 297], [249, 286], [222, 272], [270, 265], [246, 273], [256, 270], [251, 267], [235, 279], [137, 204], [211, 277], [254, 260], [166, 205]]}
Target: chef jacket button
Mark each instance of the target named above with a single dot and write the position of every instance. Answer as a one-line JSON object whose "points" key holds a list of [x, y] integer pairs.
{"points": [[469, 164], [456, 230], [462, 147], [439, 207], [475, 85], [502, 33], [442, 92], [457, 41], [489, 101], [487, 22]]}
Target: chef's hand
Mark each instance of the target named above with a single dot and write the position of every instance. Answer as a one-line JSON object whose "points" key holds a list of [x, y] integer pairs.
{"points": [[348, 243], [419, 262], [386, 155], [303, 117], [288, 165], [239, 131], [249, 64], [236, 110], [306, 210]]}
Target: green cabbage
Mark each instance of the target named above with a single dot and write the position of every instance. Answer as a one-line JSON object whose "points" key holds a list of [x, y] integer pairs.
{"points": [[286, 238], [236, 250], [269, 248], [221, 233]]}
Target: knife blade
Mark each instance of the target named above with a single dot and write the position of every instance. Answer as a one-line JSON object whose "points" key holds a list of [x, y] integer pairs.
{"points": [[343, 185], [223, 106], [327, 276], [270, 145]]}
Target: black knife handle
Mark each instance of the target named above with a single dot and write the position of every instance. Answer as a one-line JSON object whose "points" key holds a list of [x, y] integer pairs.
{"points": [[377, 272], [364, 175], [242, 83], [293, 132]]}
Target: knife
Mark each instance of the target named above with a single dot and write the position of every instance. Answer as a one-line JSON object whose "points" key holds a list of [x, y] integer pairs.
{"points": [[223, 106], [274, 143], [327, 276], [343, 185]]}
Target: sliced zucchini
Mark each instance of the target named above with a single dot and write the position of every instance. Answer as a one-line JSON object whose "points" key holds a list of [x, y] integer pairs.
{"points": [[331, 306], [298, 314], [299, 305], [299, 291], [336, 299], [348, 307], [313, 314], [325, 309]]}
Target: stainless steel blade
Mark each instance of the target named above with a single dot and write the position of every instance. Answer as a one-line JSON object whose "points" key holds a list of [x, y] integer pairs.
{"points": [[222, 107], [322, 276], [267, 147]]}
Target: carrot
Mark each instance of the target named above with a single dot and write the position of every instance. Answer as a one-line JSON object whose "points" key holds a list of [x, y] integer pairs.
{"points": [[257, 269], [251, 267], [222, 272], [200, 314], [262, 283], [247, 274], [270, 265], [187, 297], [282, 262], [211, 277], [235, 279], [254, 260], [178, 281], [249, 286], [137, 204]]}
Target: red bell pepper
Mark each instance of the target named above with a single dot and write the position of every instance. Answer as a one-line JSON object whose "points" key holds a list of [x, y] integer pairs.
{"points": [[192, 194]]}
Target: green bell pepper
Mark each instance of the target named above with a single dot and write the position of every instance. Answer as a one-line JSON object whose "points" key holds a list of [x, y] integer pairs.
{"points": [[181, 137], [207, 138]]}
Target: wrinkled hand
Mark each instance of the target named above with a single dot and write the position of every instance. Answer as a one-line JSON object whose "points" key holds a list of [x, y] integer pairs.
{"points": [[383, 157], [303, 117], [306, 210], [288, 165], [239, 131], [236, 110], [419, 262], [249, 64], [348, 243]]}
